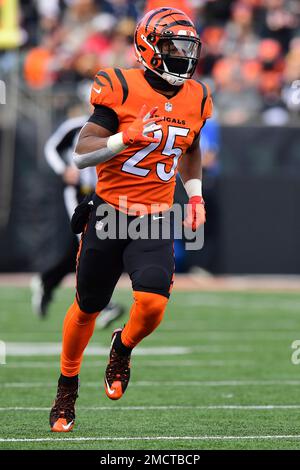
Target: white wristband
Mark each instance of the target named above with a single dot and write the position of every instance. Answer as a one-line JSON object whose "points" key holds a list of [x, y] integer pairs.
{"points": [[193, 187], [115, 143]]}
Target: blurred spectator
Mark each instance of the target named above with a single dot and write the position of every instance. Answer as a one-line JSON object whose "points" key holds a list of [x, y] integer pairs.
{"points": [[292, 64], [217, 11], [120, 51], [37, 67], [120, 8], [240, 38], [291, 78], [212, 48], [280, 20], [274, 111], [77, 24], [236, 97]]}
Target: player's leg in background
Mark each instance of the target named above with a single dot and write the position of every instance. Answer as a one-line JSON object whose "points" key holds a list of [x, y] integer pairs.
{"points": [[112, 312], [44, 283]]}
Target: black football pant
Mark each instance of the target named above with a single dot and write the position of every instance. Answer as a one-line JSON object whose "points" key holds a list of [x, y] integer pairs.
{"points": [[100, 263]]}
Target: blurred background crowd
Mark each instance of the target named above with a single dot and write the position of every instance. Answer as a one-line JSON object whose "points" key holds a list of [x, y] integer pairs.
{"points": [[251, 49]]}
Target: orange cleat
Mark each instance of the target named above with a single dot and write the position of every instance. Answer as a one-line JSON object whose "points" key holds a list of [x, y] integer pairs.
{"points": [[62, 425], [117, 372], [62, 414]]}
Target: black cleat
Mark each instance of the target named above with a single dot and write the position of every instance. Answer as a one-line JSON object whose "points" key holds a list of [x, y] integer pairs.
{"points": [[62, 414], [40, 297], [117, 372]]}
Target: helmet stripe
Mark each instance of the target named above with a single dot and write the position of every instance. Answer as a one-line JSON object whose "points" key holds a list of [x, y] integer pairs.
{"points": [[156, 12], [166, 16], [123, 82], [178, 23]]}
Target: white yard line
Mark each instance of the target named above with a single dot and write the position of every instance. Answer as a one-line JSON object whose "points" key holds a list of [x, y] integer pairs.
{"points": [[158, 363], [153, 438], [54, 349], [46, 349], [162, 408], [192, 383]]}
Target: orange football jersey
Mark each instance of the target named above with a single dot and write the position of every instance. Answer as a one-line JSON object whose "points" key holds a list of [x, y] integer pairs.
{"points": [[147, 174]]}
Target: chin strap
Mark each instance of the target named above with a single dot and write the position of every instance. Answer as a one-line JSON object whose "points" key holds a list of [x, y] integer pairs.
{"points": [[162, 82], [175, 81]]}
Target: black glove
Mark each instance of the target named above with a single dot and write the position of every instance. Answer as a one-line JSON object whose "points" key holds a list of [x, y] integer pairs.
{"points": [[81, 214]]}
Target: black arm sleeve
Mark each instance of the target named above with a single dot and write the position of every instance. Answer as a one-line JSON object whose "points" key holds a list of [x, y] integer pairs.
{"points": [[67, 140], [105, 117]]}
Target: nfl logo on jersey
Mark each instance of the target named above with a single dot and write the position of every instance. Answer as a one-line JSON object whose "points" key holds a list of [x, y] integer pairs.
{"points": [[168, 107]]}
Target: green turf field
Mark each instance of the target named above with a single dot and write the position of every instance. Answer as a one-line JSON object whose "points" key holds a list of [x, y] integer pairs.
{"points": [[217, 374]]}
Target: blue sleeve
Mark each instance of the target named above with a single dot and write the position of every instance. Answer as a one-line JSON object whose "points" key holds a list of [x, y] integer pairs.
{"points": [[210, 136]]}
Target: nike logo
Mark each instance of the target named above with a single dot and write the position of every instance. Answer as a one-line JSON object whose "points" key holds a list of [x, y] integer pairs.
{"points": [[157, 217], [66, 427], [110, 391], [97, 90]]}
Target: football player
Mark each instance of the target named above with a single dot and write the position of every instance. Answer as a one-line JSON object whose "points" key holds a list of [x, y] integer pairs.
{"points": [[144, 121]]}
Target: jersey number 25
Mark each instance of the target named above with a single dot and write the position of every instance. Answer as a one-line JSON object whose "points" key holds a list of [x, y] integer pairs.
{"points": [[130, 165]]}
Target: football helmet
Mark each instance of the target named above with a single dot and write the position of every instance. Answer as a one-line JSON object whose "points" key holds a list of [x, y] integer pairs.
{"points": [[167, 43]]}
